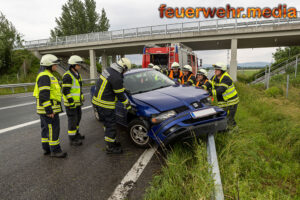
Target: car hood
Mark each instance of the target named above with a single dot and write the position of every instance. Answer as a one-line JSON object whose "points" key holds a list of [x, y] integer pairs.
{"points": [[171, 97]]}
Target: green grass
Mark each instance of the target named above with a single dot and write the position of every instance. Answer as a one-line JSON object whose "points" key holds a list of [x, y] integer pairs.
{"points": [[247, 72], [258, 160]]}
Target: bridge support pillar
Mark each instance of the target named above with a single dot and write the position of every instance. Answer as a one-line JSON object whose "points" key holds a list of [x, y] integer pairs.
{"points": [[37, 54], [114, 58], [104, 61], [93, 68], [233, 60]]}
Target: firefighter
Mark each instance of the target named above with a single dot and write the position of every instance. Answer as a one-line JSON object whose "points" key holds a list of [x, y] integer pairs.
{"points": [[188, 77], [175, 73], [48, 95], [73, 98], [225, 92], [109, 89], [202, 81]]}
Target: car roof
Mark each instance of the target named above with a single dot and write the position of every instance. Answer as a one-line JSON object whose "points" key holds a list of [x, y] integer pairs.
{"points": [[136, 70]]}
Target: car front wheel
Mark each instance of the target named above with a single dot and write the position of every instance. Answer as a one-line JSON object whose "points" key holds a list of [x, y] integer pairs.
{"points": [[138, 131]]}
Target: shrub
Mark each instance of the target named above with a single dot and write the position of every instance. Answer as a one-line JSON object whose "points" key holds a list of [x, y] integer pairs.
{"points": [[274, 91]]}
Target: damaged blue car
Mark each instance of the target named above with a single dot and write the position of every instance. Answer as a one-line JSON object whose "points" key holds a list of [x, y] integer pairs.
{"points": [[163, 111]]}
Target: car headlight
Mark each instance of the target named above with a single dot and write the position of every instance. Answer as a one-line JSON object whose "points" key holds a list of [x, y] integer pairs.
{"points": [[163, 116]]}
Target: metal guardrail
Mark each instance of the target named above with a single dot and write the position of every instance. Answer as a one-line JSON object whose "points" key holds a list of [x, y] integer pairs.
{"points": [[195, 26], [26, 85], [276, 69]]}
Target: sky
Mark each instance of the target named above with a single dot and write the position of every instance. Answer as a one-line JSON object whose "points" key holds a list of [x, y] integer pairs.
{"points": [[35, 18]]}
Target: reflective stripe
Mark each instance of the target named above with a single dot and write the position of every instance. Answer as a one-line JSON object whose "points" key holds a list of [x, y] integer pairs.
{"points": [[125, 102], [72, 132], [77, 127], [46, 104], [228, 103], [45, 140], [44, 88], [107, 139], [53, 143], [224, 95], [119, 90], [103, 105], [50, 132], [111, 103], [67, 85]]}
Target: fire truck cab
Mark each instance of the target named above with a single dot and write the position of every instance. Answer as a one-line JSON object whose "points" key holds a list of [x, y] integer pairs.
{"points": [[164, 56]]}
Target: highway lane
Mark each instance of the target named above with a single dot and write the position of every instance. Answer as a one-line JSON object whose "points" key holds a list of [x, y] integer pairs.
{"points": [[87, 173]]}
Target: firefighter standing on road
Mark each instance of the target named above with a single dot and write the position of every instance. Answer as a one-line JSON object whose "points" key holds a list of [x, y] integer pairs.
{"points": [[202, 81], [175, 73], [48, 95], [73, 99], [188, 77], [225, 92], [109, 89]]}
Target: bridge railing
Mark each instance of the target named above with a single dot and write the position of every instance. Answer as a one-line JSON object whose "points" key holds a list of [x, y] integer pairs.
{"points": [[194, 26]]}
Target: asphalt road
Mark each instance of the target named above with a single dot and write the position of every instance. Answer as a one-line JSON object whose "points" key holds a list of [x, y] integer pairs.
{"points": [[87, 173]]}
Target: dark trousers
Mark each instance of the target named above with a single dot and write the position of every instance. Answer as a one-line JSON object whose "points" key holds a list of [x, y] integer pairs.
{"points": [[74, 117], [231, 110], [50, 133], [109, 120]]}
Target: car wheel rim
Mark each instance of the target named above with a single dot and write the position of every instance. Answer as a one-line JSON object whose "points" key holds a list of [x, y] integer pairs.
{"points": [[139, 135]]}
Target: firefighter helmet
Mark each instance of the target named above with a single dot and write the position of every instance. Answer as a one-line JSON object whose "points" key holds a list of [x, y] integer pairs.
{"points": [[49, 60], [75, 60], [157, 68], [124, 63], [202, 72], [175, 65], [221, 66], [150, 65], [187, 68]]}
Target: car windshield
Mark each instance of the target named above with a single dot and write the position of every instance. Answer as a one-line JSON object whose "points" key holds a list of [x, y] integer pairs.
{"points": [[146, 81]]}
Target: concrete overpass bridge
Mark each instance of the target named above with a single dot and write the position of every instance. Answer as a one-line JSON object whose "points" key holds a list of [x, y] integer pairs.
{"points": [[199, 35]]}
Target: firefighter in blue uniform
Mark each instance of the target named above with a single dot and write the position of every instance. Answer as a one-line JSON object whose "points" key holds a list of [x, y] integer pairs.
{"points": [[73, 98], [224, 91], [48, 95], [110, 89]]}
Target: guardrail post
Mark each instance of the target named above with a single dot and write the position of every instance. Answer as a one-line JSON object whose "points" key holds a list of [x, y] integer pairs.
{"points": [[199, 26], [150, 30], [296, 66], [76, 39], [25, 88], [217, 24], [266, 80], [287, 85], [235, 24], [123, 33], [110, 35], [137, 32], [56, 40]]}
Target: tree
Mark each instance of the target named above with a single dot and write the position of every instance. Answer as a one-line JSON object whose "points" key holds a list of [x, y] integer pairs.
{"points": [[9, 39], [285, 53], [80, 17]]}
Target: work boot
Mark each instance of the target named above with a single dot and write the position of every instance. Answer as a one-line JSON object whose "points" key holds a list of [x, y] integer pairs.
{"points": [[46, 153], [75, 142], [79, 136], [113, 148], [59, 154]]}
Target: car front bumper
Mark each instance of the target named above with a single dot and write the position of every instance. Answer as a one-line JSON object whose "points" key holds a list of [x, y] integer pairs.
{"points": [[184, 126]]}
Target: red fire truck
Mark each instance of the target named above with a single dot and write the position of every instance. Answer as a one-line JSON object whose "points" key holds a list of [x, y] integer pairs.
{"points": [[166, 55]]}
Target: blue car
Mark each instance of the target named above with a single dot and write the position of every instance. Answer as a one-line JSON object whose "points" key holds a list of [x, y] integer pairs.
{"points": [[163, 111]]}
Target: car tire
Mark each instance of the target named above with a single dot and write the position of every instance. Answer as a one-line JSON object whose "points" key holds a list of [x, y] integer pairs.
{"points": [[138, 130]]}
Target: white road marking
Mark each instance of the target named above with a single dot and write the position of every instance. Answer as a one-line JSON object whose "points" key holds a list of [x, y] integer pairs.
{"points": [[18, 105], [24, 104], [132, 176], [30, 123]]}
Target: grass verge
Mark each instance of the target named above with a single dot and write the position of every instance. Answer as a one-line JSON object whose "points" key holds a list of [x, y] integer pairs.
{"points": [[258, 160]]}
